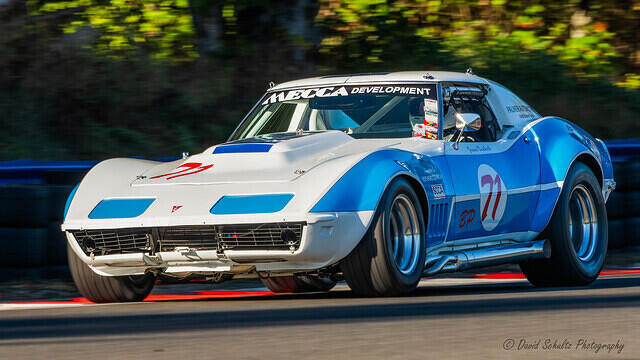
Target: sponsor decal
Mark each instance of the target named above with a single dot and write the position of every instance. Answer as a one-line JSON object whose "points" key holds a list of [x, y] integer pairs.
{"points": [[305, 94], [466, 218], [518, 108], [187, 169], [430, 106], [523, 111], [438, 191], [333, 91], [427, 130], [394, 90], [493, 197], [175, 208]]}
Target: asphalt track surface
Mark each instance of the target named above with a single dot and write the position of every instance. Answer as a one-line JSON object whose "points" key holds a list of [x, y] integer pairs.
{"points": [[447, 318]]}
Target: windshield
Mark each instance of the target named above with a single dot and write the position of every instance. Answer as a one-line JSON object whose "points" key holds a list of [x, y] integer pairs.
{"points": [[389, 111]]}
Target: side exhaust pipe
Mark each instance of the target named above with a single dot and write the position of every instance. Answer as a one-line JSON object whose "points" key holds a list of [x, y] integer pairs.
{"points": [[474, 258]]}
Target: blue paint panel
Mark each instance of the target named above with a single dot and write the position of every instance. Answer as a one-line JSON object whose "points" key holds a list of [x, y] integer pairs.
{"points": [[69, 199], [517, 167], [560, 143], [517, 216], [361, 187], [546, 203], [605, 157], [120, 208], [251, 204], [242, 148]]}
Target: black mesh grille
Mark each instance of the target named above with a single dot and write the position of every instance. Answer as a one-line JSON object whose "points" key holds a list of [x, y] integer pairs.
{"points": [[262, 236], [197, 237], [272, 236], [121, 241]]}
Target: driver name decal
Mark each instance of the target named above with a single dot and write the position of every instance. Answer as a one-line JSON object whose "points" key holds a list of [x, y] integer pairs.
{"points": [[493, 197]]}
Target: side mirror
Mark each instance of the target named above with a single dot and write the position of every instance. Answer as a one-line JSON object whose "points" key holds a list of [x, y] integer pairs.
{"points": [[466, 121]]}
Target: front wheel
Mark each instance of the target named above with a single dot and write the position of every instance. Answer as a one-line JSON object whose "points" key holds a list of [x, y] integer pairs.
{"points": [[578, 234], [106, 289], [389, 259]]}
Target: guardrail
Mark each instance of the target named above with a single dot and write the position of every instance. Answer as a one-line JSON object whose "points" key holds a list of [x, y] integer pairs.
{"points": [[33, 194], [623, 207]]}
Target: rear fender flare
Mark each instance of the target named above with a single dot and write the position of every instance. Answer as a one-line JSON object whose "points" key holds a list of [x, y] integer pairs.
{"points": [[561, 144]]}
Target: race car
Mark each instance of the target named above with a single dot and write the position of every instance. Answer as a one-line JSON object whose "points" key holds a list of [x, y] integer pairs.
{"points": [[375, 179]]}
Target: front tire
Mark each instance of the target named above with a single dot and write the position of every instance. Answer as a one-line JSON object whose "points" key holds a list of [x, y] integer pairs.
{"points": [[578, 233], [390, 258], [298, 284], [106, 289]]}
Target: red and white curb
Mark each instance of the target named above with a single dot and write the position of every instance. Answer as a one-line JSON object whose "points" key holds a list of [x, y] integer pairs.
{"points": [[474, 279]]}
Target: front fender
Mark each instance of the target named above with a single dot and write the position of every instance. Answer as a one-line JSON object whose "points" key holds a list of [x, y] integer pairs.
{"points": [[362, 187], [111, 177]]}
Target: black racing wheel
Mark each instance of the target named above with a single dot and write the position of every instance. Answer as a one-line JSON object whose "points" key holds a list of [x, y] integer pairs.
{"points": [[390, 258], [578, 234], [106, 289]]}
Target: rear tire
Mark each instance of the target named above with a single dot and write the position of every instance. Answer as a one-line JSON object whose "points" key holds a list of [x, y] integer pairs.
{"points": [[106, 289], [390, 258], [298, 284], [578, 232]]}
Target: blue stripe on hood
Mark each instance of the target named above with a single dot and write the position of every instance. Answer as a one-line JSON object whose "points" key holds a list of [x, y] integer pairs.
{"points": [[242, 148]]}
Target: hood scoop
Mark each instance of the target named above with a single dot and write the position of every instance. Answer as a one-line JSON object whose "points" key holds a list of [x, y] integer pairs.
{"points": [[268, 159]]}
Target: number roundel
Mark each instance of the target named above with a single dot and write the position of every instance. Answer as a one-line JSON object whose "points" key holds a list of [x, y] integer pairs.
{"points": [[493, 197]]}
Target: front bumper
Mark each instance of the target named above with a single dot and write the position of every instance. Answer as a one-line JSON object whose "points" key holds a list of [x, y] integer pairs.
{"points": [[325, 239], [608, 186]]}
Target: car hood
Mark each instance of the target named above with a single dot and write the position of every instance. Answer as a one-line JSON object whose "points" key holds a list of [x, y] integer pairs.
{"points": [[277, 159]]}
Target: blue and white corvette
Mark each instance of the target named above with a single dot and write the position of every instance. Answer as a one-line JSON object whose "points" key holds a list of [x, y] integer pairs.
{"points": [[377, 179]]}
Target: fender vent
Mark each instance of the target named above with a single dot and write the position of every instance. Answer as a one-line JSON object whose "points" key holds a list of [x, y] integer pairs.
{"points": [[271, 236], [437, 227]]}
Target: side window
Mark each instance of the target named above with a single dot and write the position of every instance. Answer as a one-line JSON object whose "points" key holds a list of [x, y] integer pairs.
{"points": [[469, 100], [509, 109]]}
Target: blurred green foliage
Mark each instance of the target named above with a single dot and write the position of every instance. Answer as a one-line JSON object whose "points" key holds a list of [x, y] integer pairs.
{"points": [[161, 28], [89, 79]]}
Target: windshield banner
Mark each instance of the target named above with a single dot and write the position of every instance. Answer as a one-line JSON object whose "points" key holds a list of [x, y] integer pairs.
{"points": [[426, 91]]}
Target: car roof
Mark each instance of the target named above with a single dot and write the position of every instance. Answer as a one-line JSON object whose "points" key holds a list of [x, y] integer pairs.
{"points": [[383, 77]]}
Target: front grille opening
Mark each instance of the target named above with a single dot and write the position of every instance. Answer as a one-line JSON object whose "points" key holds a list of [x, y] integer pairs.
{"points": [[270, 236], [123, 241], [264, 236]]}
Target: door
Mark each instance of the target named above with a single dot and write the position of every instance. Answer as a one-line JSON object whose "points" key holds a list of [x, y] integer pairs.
{"points": [[496, 186], [496, 178]]}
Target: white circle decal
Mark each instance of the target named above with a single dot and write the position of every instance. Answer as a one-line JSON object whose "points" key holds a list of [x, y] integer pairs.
{"points": [[493, 197]]}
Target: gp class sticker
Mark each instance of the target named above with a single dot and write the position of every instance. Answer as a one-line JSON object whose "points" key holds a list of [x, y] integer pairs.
{"points": [[493, 197], [427, 91]]}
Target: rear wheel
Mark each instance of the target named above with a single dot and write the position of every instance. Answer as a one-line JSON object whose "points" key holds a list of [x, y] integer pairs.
{"points": [[390, 258], [578, 234], [105, 289], [298, 284]]}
